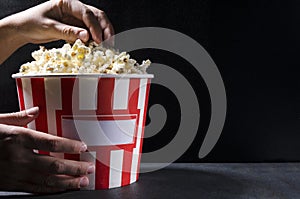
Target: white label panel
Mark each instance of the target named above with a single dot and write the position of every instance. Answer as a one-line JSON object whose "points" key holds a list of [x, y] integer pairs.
{"points": [[99, 133]]}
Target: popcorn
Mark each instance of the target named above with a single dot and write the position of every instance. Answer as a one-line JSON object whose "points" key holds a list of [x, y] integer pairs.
{"points": [[80, 58]]}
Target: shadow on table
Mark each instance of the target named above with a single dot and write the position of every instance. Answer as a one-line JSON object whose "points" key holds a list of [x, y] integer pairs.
{"points": [[190, 183]]}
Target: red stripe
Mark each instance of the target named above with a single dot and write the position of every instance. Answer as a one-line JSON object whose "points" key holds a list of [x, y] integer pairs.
{"points": [[39, 99], [58, 123], [143, 125], [133, 95], [102, 168], [127, 161], [105, 96], [72, 156], [67, 85], [20, 93], [44, 152], [67, 89]]}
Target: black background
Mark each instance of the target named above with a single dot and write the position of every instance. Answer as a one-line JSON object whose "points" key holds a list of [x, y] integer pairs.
{"points": [[255, 44]]}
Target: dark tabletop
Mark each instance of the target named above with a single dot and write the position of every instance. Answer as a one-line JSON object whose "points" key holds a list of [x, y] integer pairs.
{"points": [[205, 180]]}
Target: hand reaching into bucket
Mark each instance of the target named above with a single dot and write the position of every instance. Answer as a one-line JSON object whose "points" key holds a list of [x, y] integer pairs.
{"points": [[53, 20], [23, 170]]}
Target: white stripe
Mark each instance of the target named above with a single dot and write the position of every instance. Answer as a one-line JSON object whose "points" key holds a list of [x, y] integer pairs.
{"points": [[140, 128], [121, 92], [136, 150], [31, 125], [88, 93], [89, 157], [135, 160], [28, 101], [115, 171], [141, 106], [53, 102], [142, 93]]}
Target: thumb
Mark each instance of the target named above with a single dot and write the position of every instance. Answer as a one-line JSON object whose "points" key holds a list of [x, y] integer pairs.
{"points": [[70, 33], [19, 118]]}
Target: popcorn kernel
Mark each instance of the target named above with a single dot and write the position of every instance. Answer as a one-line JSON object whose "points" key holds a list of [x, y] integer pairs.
{"points": [[80, 56]]}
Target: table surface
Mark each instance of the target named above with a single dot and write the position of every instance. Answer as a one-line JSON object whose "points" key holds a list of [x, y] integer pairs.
{"points": [[201, 180]]}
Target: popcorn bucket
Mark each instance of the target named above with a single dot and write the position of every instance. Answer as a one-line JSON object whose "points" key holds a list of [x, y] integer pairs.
{"points": [[107, 112]]}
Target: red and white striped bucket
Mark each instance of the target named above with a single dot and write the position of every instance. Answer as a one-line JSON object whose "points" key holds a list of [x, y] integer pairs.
{"points": [[107, 112]]}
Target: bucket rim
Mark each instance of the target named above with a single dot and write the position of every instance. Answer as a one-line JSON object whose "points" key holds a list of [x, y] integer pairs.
{"points": [[71, 75]]}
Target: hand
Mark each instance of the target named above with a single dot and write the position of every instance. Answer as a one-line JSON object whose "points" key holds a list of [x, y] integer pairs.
{"points": [[23, 170], [53, 20], [62, 19]]}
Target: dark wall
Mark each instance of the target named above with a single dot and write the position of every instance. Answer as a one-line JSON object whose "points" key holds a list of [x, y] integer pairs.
{"points": [[255, 45]]}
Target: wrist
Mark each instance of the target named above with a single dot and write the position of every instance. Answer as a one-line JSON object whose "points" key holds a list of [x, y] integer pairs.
{"points": [[10, 33], [10, 38]]}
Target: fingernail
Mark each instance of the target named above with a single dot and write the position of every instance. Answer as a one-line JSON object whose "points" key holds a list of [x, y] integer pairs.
{"points": [[84, 182], [83, 148], [91, 169], [83, 35], [32, 111]]}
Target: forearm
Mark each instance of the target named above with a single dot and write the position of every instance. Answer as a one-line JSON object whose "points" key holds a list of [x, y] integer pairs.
{"points": [[10, 39]]}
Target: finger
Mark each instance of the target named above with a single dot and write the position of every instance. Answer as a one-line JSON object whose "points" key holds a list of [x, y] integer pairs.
{"points": [[52, 165], [109, 38], [82, 12], [92, 24], [108, 31], [32, 139], [73, 21], [19, 118], [105, 24], [58, 181], [69, 33], [47, 171]]}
